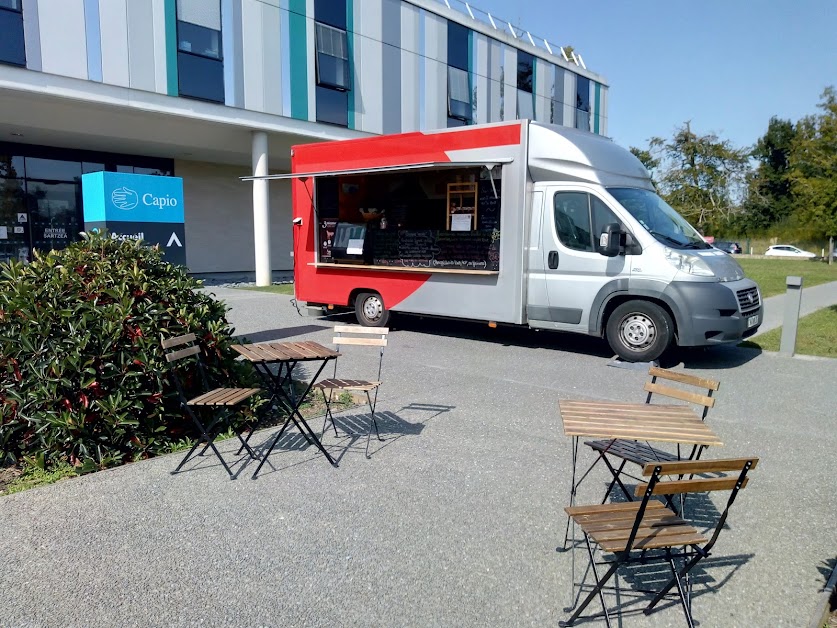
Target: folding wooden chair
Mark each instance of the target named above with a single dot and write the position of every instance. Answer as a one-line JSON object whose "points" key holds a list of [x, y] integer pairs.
{"points": [[648, 532], [362, 336], [641, 454], [222, 400]]}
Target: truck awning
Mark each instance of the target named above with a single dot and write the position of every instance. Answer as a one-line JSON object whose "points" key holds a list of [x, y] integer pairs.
{"points": [[434, 165]]}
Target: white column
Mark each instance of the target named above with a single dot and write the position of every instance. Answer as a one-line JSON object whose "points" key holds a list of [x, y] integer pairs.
{"points": [[261, 210]]}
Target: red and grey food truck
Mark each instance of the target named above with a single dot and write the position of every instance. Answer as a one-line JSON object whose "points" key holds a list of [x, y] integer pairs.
{"points": [[516, 223]]}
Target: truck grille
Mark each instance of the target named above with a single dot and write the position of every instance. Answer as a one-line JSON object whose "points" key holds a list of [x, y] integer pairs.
{"points": [[748, 300]]}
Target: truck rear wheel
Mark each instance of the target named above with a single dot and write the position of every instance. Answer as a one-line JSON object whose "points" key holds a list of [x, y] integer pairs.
{"points": [[370, 310], [639, 331]]}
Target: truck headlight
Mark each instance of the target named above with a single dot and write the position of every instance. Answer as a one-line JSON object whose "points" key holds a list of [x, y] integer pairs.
{"points": [[688, 263]]}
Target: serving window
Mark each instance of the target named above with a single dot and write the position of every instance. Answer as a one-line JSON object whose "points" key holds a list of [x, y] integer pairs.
{"points": [[435, 219]]}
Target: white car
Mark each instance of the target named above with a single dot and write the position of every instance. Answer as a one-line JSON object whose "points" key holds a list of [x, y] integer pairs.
{"points": [[786, 250]]}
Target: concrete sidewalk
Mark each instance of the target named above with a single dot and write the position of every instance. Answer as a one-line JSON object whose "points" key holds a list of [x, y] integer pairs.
{"points": [[813, 299]]}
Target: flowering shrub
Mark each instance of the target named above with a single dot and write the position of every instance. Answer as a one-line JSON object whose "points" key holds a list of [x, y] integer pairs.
{"points": [[83, 378]]}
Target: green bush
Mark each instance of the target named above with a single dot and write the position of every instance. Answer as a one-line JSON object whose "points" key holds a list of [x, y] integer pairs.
{"points": [[83, 378]]}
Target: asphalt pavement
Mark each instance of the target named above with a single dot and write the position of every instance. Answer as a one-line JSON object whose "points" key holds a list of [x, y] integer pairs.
{"points": [[455, 519]]}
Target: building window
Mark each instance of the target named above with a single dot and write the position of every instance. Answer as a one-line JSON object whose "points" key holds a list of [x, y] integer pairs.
{"points": [[459, 95], [334, 80], [332, 106], [525, 85], [12, 48], [331, 12], [582, 103], [460, 109], [332, 58], [200, 65]]}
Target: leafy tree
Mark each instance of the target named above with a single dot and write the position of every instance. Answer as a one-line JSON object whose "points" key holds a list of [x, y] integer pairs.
{"points": [[813, 172], [646, 158], [702, 176], [769, 187]]}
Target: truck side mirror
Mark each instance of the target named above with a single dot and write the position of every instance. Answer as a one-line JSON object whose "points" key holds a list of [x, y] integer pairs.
{"points": [[609, 240]]}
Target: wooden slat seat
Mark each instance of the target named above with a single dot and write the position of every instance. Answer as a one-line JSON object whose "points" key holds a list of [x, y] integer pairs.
{"points": [[633, 451], [611, 527], [346, 384], [223, 397]]}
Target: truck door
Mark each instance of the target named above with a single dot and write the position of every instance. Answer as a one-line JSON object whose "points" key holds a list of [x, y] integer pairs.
{"points": [[574, 272]]}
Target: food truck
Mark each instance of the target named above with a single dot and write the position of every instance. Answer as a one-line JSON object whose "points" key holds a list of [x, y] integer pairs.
{"points": [[517, 223]]}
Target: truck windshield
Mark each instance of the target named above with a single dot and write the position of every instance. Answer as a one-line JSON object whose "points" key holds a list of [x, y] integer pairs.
{"points": [[659, 218]]}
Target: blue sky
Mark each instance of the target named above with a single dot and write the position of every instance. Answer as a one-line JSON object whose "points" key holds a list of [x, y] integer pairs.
{"points": [[726, 65]]}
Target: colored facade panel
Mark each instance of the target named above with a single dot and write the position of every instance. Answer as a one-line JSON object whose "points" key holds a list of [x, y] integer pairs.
{"points": [[171, 47], [140, 54], [299, 59], [262, 44], [161, 71], [597, 104], [410, 64], [509, 83], [496, 87], [391, 70], [63, 39], [113, 20], [435, 71], [367, 87], [93, 36], [480, 78], [32, 34]]}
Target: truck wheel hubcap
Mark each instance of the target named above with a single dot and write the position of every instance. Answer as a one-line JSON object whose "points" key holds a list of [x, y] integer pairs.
{"points": [[372, 308], [637, 331]]}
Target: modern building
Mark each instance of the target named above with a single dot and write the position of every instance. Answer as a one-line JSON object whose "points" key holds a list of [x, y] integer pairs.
{"points": [[211, 90]]}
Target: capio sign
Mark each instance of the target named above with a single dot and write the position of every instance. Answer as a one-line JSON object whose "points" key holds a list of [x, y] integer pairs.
{"points": [[137, 206]]}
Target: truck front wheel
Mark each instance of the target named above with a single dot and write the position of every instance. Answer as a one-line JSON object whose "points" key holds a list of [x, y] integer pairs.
{"points": [[639, 331], [370, 310]]}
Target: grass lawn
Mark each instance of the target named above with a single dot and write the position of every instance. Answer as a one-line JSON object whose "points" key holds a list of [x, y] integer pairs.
{"points": [[284, 288], [770, 274], [816, 335]]}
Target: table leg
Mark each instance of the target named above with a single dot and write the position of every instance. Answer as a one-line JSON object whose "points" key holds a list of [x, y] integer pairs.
{"points": [[291, 405]]}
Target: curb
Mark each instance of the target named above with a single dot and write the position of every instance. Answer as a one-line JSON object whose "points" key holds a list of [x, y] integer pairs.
{"points": [[824, 605]]}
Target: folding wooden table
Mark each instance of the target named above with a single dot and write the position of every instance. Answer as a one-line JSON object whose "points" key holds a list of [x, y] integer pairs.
{"points": [[632, 421], [287, 355]]}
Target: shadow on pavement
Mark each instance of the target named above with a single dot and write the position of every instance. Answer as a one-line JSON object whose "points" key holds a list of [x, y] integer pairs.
{"points": [[505, 335], [278, 334]]}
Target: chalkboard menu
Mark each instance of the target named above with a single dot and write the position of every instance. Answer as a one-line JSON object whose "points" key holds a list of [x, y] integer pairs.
{"points": [[428, 248], [488, 214]]}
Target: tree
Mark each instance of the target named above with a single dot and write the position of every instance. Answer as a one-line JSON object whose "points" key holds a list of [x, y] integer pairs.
{"points": [[646, 158], [813, 172], [701, 176], [769, 187]]}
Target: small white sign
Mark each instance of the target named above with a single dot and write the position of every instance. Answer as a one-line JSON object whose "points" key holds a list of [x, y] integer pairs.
{"points": [[18, 229], [4, 233], [460, 222], [22, 218], [355, 246]]}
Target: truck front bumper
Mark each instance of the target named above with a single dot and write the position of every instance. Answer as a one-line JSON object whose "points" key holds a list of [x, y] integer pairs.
{"points": [[715, 313]]}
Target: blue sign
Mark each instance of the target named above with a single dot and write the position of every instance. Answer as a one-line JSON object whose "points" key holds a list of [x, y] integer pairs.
{"points": [[137, 207], [119, 197]]}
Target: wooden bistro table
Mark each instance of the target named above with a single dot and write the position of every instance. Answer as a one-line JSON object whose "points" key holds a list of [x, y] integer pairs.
{"points": [[286, 355], [632, 421]]}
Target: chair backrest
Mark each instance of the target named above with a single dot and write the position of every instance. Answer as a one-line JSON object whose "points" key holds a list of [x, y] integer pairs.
{"points": [[192, 348], [738, 467], [705, 400], [355, 335]]}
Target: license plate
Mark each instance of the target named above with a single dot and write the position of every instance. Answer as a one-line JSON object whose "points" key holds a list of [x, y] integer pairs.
{"points": [[752, 321]]}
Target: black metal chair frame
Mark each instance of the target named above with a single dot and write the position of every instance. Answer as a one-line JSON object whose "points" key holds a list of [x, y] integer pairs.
{"points": [[690, 555], [209, 431], [346, 334]]}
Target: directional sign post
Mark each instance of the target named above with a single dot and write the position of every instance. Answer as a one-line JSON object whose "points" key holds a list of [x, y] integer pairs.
{"points": [[137, 207]]}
